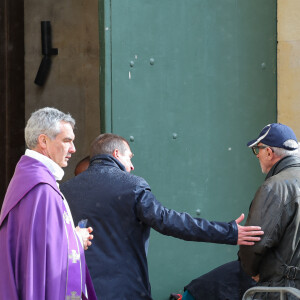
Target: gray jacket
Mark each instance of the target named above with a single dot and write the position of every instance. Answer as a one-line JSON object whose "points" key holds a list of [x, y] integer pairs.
{"points": [[275, 207]]}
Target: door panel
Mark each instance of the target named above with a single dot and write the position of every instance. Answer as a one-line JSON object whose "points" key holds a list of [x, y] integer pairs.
{"points": [[190, 83]]}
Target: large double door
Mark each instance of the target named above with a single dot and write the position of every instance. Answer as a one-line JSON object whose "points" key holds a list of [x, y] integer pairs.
{"points": [[188, 83]]}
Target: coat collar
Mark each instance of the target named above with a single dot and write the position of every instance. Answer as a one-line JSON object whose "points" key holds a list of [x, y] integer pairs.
{"points": [[285, 163], [107, 160]]}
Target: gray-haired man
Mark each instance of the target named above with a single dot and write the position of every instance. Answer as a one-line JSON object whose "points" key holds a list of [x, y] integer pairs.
{"points": [[41, 254], [275, 259]]}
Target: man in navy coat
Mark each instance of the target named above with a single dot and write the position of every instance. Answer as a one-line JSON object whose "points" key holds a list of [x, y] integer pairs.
{"points": [[122, 209]]}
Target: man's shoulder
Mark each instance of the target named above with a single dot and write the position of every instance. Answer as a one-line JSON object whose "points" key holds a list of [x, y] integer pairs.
{"points": [[29, 174], [284, 186], [126, 178], [287, 168], [137, 180], [110, 176], [288, 176], [33, 169]]}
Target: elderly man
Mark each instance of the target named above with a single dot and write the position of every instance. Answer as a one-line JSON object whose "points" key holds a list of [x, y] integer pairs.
{"points": [[275, 260], [41, 253], [122, 209]]}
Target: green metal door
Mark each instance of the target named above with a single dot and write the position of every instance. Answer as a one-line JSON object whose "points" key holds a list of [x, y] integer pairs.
{"points": [[189, 83]]}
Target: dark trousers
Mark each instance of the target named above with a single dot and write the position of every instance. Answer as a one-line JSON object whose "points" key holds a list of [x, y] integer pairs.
{"points": [[227, 282]]}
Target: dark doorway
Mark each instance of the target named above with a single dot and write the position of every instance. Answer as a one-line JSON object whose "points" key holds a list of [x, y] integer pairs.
{"points": [[12, 91]]}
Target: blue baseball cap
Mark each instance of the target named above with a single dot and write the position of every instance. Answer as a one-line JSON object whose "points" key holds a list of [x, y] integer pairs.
{"points": [[276, 135]]}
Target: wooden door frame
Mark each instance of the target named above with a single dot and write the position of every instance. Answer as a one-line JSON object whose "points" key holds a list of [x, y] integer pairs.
{"points": [[12, 89]]}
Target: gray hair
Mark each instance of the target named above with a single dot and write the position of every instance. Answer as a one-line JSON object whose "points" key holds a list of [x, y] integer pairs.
{"points": [[106, 143], [281, 152], [45, 121]]}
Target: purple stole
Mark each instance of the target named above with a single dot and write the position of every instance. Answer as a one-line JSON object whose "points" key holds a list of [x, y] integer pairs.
{"points": [[76, 264], [28, 174]]}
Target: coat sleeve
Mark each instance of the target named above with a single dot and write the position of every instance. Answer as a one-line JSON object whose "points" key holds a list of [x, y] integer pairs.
{"points": [[42, 248], [266, 211], [181, 225]]}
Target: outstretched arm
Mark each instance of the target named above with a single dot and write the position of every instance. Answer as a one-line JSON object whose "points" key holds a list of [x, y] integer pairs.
{"points": [[247, 235], [182, 225]]}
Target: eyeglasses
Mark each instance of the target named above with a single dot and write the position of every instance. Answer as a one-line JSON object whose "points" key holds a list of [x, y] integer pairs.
{"points": [[255, 149]]}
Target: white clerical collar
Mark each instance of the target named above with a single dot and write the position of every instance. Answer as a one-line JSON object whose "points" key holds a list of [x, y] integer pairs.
{"points": [[54, 168]]}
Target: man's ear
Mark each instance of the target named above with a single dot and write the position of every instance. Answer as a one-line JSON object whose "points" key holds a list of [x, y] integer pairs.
{"points": [[42, 141], [270, 153], [116, 153]]}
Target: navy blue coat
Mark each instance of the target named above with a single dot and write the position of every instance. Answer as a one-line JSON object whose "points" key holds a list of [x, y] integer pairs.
{"points": [[121, 208]]}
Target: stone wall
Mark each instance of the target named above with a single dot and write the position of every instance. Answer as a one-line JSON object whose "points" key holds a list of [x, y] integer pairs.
{"points": [[288, 60], [73, 82]]}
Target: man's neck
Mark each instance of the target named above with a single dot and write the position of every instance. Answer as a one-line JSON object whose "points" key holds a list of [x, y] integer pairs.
{"points": [[274, 161], [53, 167]]}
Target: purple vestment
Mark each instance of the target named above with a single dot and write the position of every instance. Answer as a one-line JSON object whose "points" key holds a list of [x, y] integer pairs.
{"points": [[34, 259]]}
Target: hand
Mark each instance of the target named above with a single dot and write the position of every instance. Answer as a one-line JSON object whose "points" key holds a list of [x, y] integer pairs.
{"points": [[247, 234], [256, 278], [86, 236]]}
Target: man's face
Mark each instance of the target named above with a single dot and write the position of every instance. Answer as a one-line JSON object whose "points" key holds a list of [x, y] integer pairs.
{"points": [[125, 159], [61, 148], [263, 157]]}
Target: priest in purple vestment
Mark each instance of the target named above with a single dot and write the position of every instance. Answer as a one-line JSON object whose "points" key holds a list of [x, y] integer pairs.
{"points": [[42, 255]]}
